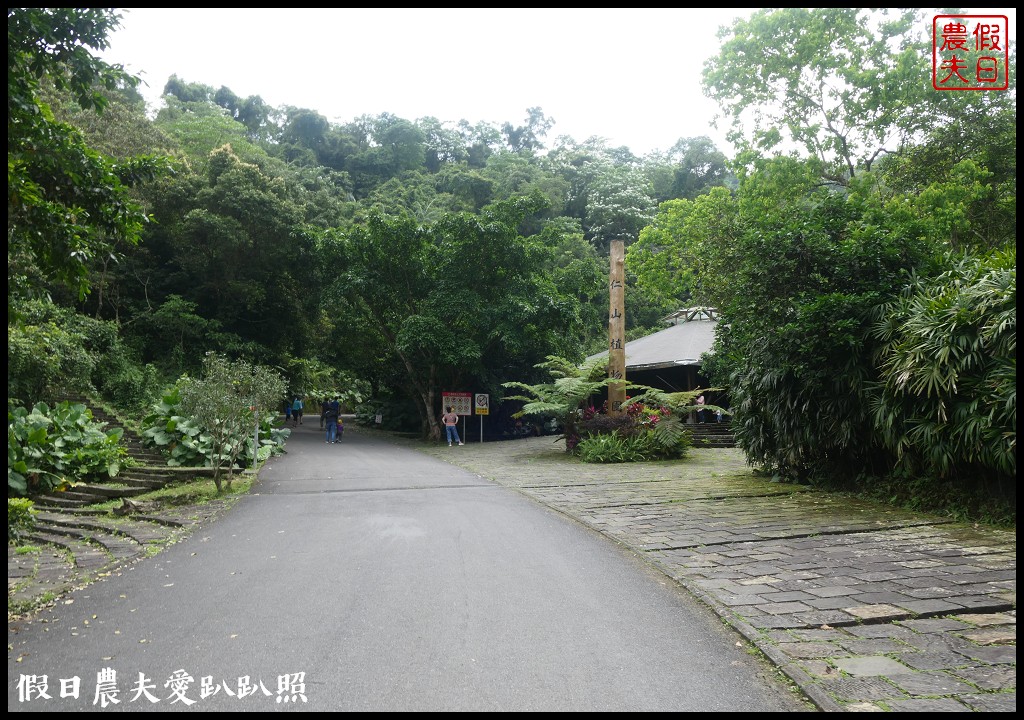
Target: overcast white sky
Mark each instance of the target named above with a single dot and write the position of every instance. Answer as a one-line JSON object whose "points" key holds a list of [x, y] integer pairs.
{"points": [[631, 76]]}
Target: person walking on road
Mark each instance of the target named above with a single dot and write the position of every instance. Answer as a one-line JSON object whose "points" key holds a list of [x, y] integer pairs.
{"points": [[451, 421], [332, 410], [297, 406]]}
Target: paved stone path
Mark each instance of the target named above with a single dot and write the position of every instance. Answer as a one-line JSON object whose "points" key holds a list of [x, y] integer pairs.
{"points": [[865, 607]]}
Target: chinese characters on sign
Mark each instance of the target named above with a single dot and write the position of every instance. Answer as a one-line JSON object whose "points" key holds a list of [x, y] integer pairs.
{"points": [[291, 688], [616, 328], [970, 52]]}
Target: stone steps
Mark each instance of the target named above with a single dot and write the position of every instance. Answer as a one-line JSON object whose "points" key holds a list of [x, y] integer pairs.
{"points": [[712, 435], [88, 494], [93, 551], [141, 530], [150, 474], [150, 483], [60, 500], [78, 543]]}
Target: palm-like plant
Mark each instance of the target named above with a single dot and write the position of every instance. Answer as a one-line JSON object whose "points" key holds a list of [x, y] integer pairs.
{"points": [[947, 397], [575, 386], [564, 397]]}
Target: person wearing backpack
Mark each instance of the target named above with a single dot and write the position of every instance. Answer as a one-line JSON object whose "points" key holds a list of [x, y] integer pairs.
{"points": [[323, 411], [331, 417]]}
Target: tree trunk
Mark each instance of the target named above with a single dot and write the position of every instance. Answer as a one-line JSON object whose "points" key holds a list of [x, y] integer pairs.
{"points": [[427, 397], [426, 394]]}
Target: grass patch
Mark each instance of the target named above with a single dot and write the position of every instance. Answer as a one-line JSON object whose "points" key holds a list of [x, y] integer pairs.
{"points": [[27, 549], [197, 491], [960, 507], [22, 608]]}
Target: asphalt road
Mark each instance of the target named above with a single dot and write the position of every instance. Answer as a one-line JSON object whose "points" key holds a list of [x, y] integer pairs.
{"points": [[369, 576]]}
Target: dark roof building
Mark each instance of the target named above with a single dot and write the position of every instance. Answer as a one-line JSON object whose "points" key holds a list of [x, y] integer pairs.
{"points": [[670, 359]]}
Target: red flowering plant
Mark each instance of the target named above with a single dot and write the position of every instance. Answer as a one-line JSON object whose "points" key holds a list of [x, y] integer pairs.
{"points": [[641, 432], [644, 416]]}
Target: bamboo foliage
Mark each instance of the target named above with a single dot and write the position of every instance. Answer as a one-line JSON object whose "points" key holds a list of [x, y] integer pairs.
{"points": [[947, 397]]}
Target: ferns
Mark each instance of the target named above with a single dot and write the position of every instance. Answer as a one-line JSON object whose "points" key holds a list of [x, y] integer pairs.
{"points": [[640, 433]]}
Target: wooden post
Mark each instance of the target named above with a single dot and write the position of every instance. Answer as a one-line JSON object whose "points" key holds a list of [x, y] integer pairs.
{"points": [[617, 328]]}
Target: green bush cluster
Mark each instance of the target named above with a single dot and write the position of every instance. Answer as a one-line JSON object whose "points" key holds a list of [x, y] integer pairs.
{"points": [[21, 518], [124, 382], [946, 401], [188, 443], [397, 415], [637, 447], [639, 434], [648, 428], [54, 352], [49, 447], [44, 362]]}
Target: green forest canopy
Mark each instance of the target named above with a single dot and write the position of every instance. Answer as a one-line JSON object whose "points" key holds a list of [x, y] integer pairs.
{"points": [[420, 255]]}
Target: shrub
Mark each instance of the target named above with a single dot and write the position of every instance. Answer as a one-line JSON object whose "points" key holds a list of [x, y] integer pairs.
{"points": [[48, 447], [565, 397], [124, 382], [946, 402], [640, 434], [187, 442], [44, 362], [397, 414], [21, 518], [182, 440], [649, 428]]}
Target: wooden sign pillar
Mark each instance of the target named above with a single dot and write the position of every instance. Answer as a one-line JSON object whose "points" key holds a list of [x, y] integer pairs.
{"points": [[617, 328]]}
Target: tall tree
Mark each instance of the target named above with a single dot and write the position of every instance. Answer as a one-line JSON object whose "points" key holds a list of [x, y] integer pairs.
{"points": [[247, 256], [608, 191], [66, 203], [517, 174], [665, 260], [444, 145], [481, 140], [975, 146], [796, 274], [305, 128], [187, 92], [200, 127], [529, 137], [458, 302], [844, 84], [691, 167], [619, 206]]}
